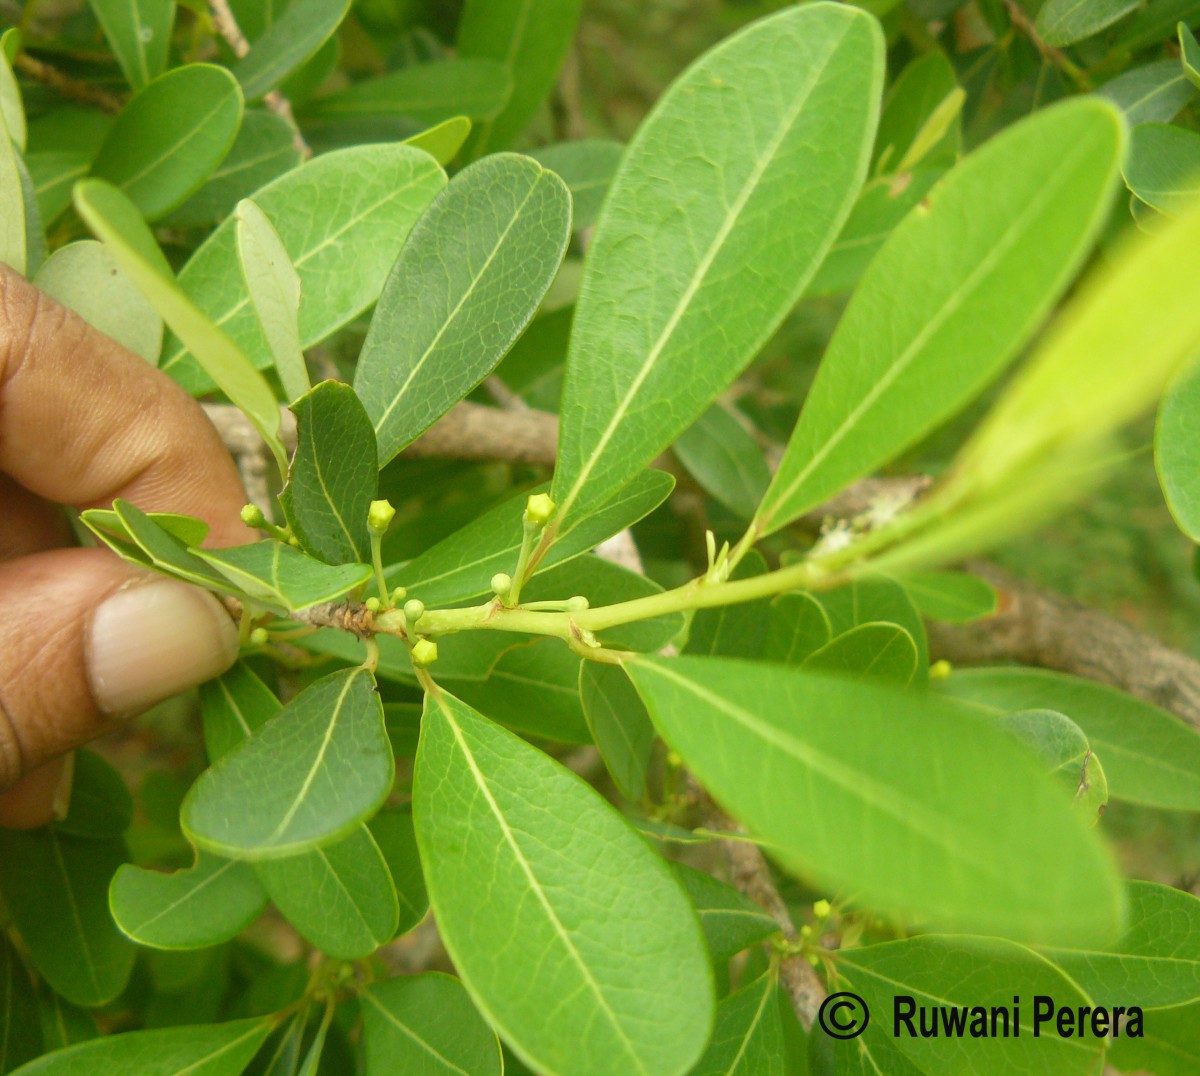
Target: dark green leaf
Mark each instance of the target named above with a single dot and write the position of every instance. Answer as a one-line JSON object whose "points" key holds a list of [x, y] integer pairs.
{"points": [[1063, 22], [747, 1038], [587, 168], [1153, 93], [730, 921], [233, 707], [733, 631], [875, 650], [101, 805], [724, 458], [20, 1031], [63, 1024], [1163, 169], [920, 88], [1156, 21], [54, 174], [290, 40], [393, 833], [874, 598], [953, 597], [619, 725], [796, 627], [139, 33]]}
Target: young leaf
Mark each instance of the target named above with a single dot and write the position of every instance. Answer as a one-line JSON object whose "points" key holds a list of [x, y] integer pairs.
{"points": [[894, 369], [587, 168], [426, 1024], [100, 804], [139, 35], [1063, 22], [339, 770], [116, 221], [274, 290], [797, 626], [951, 597], [290, 40], [531, 39], [233, 707], [281, 577], [12, 203], [470, 277], [211, 1050], [166, 142], [85, 276], [165, 551], [209, 903], [339, 897], [1177, 449], [717, 184], [1150, 756], [341, 217], [508, 839], [874, 650], [55, 889], [1163, 169], [393, 833], [747, 1037], [443, 140], [722, 455], [20, 1035], [730, 921], [1152, 93], [619, 725], [949, 823]]}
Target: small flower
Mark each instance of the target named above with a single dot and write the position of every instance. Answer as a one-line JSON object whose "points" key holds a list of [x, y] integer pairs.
{"points": [[380, 516], [539, 508], [424, 652]]}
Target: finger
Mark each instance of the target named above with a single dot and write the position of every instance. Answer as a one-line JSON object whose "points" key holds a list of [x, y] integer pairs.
{"points": [[83, 421], [32, 800], [30, 523], [87, 640]]}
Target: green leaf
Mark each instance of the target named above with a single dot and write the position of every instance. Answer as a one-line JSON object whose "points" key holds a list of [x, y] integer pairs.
{"points": [[1150, 756], [196, 1050], [1163, 169], [747, 1037], [85, 276], [281, 577], [508, 839], [1169, 1046], [264, 149], [443, 140], [716, 185], [342, 216], [394, 834], [291, 39], [12, 107], [116, 221], [1177, 451], [35, 234], [587, 168], [426, 1024], [619, 725], [1189, 54], [1152, 93], [170, 137], [872, 598], [893, 370], [209, 903], [53, 175], [339, 897], [1154, 963], [462, 565], [949, 824], [875, 650], [20, 1035], [733, 631], [55, 889], [12, 203], [730, 921], [1064, 750], [1063, 22], [912, 99], [530, 38], [952, 597], [306, 778], [100, 804], [469, 279], [333, 477], [63, 1024], [274, 290], [1156, 21], [797, 626], [965, 972], [723, 457], [139, 34]]}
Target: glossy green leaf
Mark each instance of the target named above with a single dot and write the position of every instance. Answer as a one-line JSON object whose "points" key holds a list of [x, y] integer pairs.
{"points": [[462, 565], [282, 577], [1155, 22], [339, 897], [342, 216], [393, 833], [187, 529], [302, 28], [100, 804], [12, 203], [426, 1025], [1063, 22], [197, 1050], [964, 972], [675, 299], [469, 279], [12, 107], [747, 1038], [20, 1033], [85, 276], [443, 140], [872, 598], [1177, 451], [912, 99], [55, 890], [950, 824], [264, 149], [875, 650], [116, 221], [587, 168], [170, 137], [1169, 1046], [306, 778], [508, 839], [730, 921], [619, 725], [1152, 93], [722, 455], [533, 369], [951, 596], [797, 626], [139, 34], [274, 290], [530, 38], [1163, 169], [1149, 755], [733, 631], [893, 370], [210, 902]]}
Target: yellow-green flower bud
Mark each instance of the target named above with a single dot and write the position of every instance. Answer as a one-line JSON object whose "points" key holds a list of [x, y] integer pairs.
{"points": [[260, 637], [939, 670], [501, 584], [398, 595], [576, 604], [414, 609], [380, 516], [253, 516], [539, 508], [424, 652], [822, 909], [373, 604]]}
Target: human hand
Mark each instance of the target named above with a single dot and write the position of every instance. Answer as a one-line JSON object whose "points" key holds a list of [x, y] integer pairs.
{"points": [[87, 640]]}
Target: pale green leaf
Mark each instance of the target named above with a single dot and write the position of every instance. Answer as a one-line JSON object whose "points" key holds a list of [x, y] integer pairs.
{"points": [[1063, 22], [1065, 752], [20, 1034], [12, 107], [1153, 93], [713, 225], [730, 921], [443, 140], [165, 550], [35, 234], [305, 778], [508, 839], [1177, 451], [281, 577], [426, 1025], [1169, 1044], [469, 279], [86, 277], [170, 137], [587, 168], [619, 725], [894, 369], [302, 28], [394, 834], [722, 455], [950, 596], [949, 824], [747, 1038], [12, 203], [1163, 169], [139, 34], [876, 650]]}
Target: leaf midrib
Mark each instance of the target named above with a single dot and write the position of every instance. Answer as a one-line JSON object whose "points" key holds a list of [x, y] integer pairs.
{"points": [[428, 1047]]}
